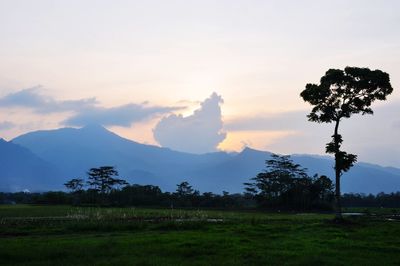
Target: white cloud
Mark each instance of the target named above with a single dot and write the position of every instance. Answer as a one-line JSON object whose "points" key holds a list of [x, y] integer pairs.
{"points": [[200, 132]]}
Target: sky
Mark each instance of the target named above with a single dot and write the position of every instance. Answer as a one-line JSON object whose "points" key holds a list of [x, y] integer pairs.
{"points": [[197, 76]]}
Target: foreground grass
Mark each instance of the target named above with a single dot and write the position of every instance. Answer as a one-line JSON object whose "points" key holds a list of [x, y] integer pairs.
{"points": [[61, 235]]}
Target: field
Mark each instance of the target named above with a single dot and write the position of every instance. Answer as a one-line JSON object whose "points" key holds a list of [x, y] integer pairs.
{"points": [[62, 235]]}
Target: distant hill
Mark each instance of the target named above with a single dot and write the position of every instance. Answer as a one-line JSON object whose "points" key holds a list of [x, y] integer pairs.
{"points": [[20, 169], [74, 151]]}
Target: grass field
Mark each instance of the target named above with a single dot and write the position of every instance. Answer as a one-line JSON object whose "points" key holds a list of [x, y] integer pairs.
{"points": [[62, 235]]}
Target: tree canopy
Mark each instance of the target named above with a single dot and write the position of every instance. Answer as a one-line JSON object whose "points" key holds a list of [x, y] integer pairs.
{"points": [[342, 93]]}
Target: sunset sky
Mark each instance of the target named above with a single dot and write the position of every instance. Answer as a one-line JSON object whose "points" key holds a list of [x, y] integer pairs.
{"points": [[197, 76]]}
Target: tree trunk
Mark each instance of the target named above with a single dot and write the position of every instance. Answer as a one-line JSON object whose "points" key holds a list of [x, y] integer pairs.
{"points": [[338, 206]]}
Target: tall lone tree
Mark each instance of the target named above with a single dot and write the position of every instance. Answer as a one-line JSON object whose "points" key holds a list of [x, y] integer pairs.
{"points": [[340, 94]]}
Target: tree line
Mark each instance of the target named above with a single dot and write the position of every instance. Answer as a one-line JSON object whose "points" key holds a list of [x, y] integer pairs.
{"points": [[133, 195], [380, 200], [104, 187], [283, 185], [150, 196]]}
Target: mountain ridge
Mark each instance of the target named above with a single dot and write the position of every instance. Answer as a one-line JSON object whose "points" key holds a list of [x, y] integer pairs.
{"points": [[73, 151], [19, 168]]}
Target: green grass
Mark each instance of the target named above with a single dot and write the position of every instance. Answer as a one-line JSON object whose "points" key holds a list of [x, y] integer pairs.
{"points": [[62, 235]]}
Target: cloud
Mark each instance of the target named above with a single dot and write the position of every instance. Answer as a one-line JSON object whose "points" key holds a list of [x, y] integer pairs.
{"points": [[6, 125], [85, 111], [200, 132], [31, 98], [123, 115]]}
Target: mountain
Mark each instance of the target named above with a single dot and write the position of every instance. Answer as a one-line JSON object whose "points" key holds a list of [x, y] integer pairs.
{"points": [[362, 178], [20, 169], [74, 151]]}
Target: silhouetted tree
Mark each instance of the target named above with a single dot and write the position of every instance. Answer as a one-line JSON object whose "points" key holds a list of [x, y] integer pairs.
{"points": [[75, 185], [277, 183], [103, 179], [340, 94], [322, 187], [184, 189], [186, 196]]}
